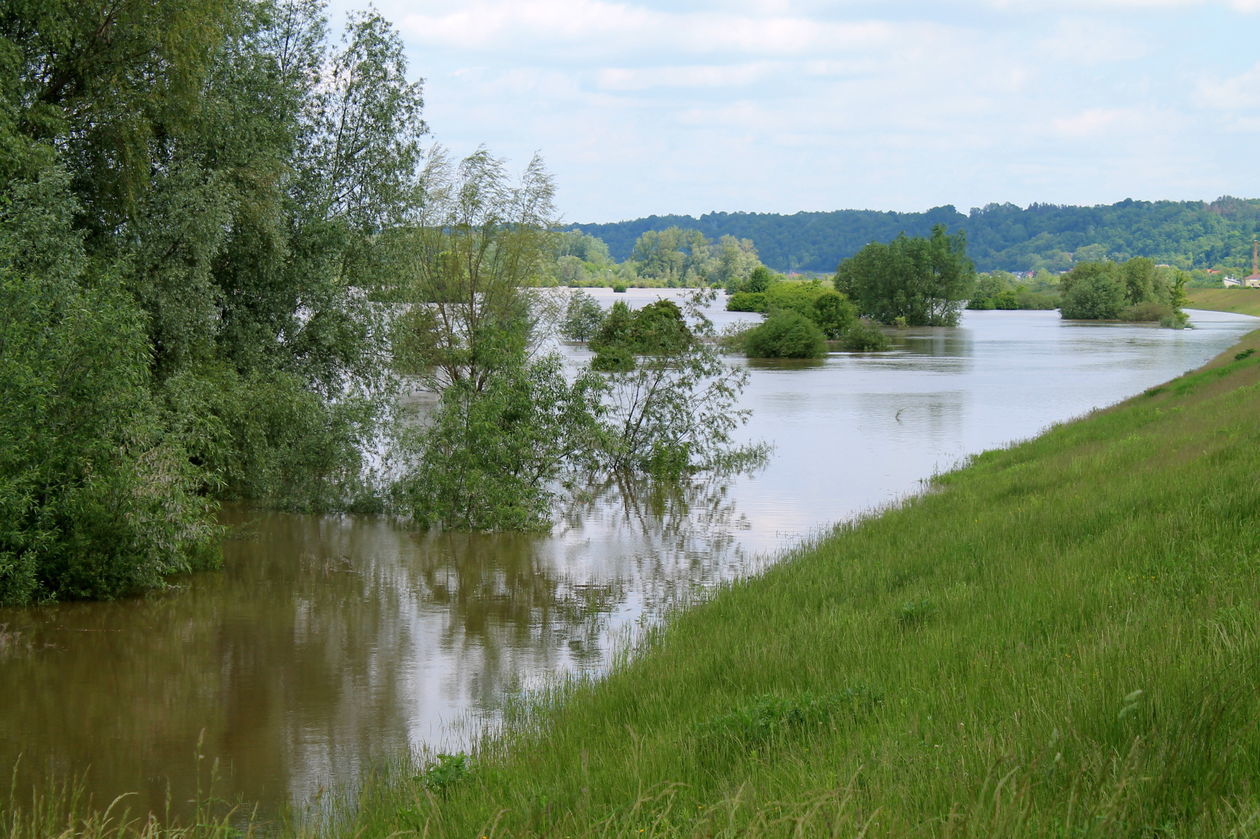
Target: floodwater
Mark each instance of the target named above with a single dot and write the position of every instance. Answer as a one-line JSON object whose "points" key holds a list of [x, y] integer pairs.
{"points": [[330, 643]]}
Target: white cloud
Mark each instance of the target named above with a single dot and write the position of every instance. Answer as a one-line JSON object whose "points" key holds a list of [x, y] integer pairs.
{"points": [[602, 28], [1104, 5], [1232, 94], [1091, 42], [793, 104], [692, 76], [1119, 124]]}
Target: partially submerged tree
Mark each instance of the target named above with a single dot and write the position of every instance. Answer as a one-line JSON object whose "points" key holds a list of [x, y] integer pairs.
{"points": [[95, 499], [1136, 290], [786, 334], [582, 317], [672, 410], [477, 242], [220, 176], [508, 422], [493, 459], [912, 280]]}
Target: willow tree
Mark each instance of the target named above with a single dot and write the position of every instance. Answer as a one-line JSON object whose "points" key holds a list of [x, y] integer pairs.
{"points": [[508, 423], [214, 179]]}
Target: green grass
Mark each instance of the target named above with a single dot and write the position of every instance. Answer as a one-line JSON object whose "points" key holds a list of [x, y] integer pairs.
{"points": [[1060, 640], [65, 811], [1243, 301]]}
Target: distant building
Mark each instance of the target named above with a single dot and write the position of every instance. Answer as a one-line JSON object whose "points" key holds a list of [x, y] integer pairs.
{"points": [[1232, 282]]}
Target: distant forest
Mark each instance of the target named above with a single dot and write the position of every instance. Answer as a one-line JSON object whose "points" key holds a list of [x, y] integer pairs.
{"points": [[1185, 234]]}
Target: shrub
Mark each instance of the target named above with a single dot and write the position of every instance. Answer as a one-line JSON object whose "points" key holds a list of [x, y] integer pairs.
{"points": [[444, 772], [864, 336], [833, 312], [582, 317], [619, 288], [786, 335], [746, 301], [614, 358], [1175, 320]]}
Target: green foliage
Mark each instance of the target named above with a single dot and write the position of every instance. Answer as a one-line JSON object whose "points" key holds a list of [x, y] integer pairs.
{"points": [[231, 184], [1000, 290], [658, 328], [614, 358], [674, 411], [1148, 311], [923, 281], [615, 329], [786, 334], [96, 501], [776, 721], [1175, 320], [760, 280], [444, 772], [479, 239], [490, 456], [747, 301], [1094, 290], [864, 336], [733, 264], [678, 257], [582, 260], [582, 317], [1049, 237], [830, 310], [1135, 290]]}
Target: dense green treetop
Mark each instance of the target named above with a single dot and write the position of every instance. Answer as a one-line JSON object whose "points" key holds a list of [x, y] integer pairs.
{"points": [[915, 281], [1136, 290]]}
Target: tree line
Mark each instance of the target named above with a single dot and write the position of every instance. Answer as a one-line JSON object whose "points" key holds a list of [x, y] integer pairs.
{"points": [[1184, 234]]}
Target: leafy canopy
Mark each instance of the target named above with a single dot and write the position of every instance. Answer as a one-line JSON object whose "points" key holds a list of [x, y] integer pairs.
{"points": [[913, 280]]}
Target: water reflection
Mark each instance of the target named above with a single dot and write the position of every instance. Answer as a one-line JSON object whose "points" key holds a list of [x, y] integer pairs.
{"points": [[331, 642]]}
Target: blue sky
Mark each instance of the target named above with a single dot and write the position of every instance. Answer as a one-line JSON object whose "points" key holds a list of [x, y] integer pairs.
{"points": [[787, 105]]}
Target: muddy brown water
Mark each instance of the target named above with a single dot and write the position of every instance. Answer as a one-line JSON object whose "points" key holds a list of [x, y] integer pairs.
{"points": [[328, 644]]}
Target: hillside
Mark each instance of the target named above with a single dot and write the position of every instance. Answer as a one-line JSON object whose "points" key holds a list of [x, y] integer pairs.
{"points": [[1187, 234]]}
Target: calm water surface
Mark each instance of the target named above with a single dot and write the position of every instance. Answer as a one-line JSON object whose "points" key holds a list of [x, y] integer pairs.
{"points": [[330, 643]]}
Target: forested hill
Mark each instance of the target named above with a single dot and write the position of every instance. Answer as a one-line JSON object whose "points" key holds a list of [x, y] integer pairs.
{"points": [[1188, 234]]}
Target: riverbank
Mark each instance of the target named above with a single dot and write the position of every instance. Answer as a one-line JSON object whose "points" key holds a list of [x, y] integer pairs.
{"points": [[1061, 640], [1241, 301]]}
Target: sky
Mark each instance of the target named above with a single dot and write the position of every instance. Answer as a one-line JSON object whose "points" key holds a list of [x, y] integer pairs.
{"points": [[644, 107]]}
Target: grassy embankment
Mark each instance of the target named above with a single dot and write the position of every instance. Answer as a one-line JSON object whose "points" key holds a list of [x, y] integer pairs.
{"points": [[1242, 301], [1062, 640]]}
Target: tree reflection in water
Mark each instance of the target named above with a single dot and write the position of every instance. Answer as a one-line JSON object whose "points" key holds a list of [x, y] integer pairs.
{"points": [[332, 642]]}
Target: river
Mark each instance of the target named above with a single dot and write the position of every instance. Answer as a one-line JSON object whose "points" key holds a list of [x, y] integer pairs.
{"points": [[330, 643]]}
